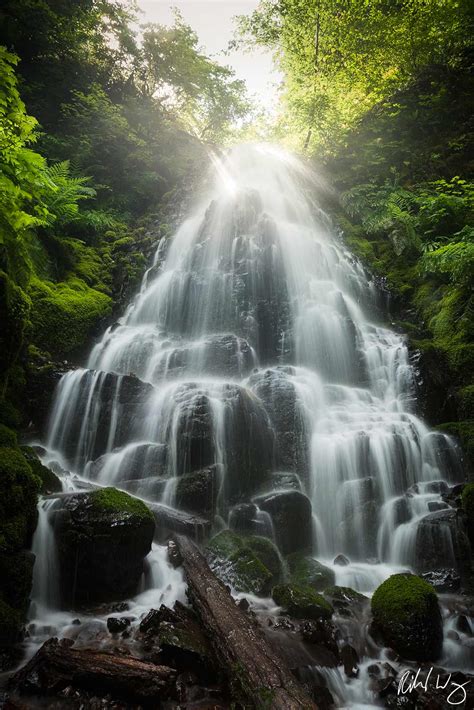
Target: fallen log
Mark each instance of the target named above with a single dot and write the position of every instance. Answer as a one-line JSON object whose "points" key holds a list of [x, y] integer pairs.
{"points": [[56, 666], [251, 665]]}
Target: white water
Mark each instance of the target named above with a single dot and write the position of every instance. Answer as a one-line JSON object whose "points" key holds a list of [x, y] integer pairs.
{"points": [[254, 280]]}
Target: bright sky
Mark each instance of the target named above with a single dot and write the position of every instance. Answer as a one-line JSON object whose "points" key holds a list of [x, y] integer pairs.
{"points": [[212, 20]]}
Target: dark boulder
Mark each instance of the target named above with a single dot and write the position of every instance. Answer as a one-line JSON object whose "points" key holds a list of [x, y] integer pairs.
{"points": [[308, 572], [443, 580], [301, 602], [102, 539], [169, 521], [84, 434], [406, 612], [116, 625], [341, 560], [441, 540], [291, 517], [197, 492], [278, 393]]}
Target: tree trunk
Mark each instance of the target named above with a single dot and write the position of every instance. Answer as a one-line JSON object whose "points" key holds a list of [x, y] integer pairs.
{"points": [[56, 666], [244, 654]]}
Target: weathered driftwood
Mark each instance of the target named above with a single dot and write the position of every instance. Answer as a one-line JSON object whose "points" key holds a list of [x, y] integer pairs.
{"points": [[56, 666], [241, 648]]}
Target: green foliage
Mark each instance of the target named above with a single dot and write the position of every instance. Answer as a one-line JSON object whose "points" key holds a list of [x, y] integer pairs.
{"points": [[7, 437], [340, 59], [50, 483], [302, 602], [111, 500]]}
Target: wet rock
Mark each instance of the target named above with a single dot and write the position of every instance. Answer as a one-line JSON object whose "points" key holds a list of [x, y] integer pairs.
{"points": [[102, 539], [360, 529], [444, 580], [278, 394], [101, 392], [225, 354], [322, 632], [291, 516], [350, 661], [197, 492], [174, 556], [243, 604], [441, 539], [247, 563], [405, 610], [183, 645], [137, 462], [346, 601], [243, 519], [435, 505], [117, 625], [463, 625], [308, 572], [301, 602], [169, 521], [281, 481], [341, 560]]}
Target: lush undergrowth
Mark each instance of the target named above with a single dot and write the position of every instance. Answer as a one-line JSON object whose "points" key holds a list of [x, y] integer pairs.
{"points": [[406, 207]]}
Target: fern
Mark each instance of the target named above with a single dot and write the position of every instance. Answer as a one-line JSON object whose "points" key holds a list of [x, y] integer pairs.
{"points": [[65, 192]]}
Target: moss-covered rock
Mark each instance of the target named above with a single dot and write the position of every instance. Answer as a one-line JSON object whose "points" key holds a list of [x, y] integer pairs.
{"points": [[301, 602], [18, 498], [102, 540], [249, 563], [50, 483], [65, 314], [308, 572], [7, 436], [406, 612]]}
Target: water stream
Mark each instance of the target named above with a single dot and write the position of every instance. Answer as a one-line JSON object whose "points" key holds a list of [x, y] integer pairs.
{"points": [[255, 346]]}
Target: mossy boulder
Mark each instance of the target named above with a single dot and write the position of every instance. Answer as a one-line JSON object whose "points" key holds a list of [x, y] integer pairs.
{"points": [[406, 612], [308, 572], [64, 315], [18, 498], [50, 483], [102, 540], [301, 602], [249, 563]]}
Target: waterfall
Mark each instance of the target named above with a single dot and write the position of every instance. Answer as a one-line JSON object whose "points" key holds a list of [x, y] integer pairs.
{"points": [[254, 346]]}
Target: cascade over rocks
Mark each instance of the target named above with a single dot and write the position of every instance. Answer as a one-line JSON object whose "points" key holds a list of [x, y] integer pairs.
{"points": [[442, 540], [102, 539]]}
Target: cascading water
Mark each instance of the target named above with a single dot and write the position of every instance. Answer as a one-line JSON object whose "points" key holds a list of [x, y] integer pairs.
{"points": [[252, 353]]}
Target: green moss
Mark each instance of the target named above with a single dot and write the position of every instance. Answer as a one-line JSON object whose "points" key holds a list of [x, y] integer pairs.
{"points": [[14, 311], [64, 314], [308, 572], [250, 563], [224, 544], [468, 501], [466, 402], [301, 602], [405, 608], [7, 436], [18, 498], [50, 483], [9, 415], [117, 502], [10, 625], [248, 573]]}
